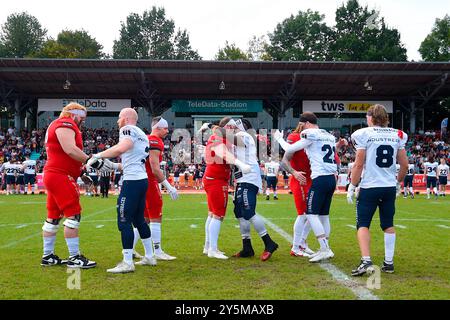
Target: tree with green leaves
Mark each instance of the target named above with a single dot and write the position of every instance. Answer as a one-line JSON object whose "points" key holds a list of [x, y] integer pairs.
{"points": [[301, 37], [436, 46], [360, 35], [152, 36], [231, 52], [21, 36], [72, 45], [257, 49]]}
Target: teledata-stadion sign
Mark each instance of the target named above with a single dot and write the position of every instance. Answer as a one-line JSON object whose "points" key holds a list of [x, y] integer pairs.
{"points": [[337, 106], [206, 106], [92, 105]]}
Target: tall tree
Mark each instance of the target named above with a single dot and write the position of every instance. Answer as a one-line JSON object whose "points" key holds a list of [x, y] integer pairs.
{"points": [[436, 46], [257, 49], [301, 37], [231, 52], [72, 45], [360, 35], [21, 36], [152, 36]]}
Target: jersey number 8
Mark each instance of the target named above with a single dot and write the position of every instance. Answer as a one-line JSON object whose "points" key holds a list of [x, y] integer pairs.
{"points": [[385, 156]]}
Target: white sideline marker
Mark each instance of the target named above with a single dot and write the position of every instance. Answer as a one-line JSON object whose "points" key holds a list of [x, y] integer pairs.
{"points": [[361, 292], [193, 226], [400, 226], [442, 226], [351, 226], [20, 226]]}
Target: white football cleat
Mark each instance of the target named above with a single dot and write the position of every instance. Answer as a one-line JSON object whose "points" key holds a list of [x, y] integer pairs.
{"points": [[307, 250], [322, 255], [164, 256], [147, 261], [205, 251], [122, 267], [216, 254], [136, 255]]}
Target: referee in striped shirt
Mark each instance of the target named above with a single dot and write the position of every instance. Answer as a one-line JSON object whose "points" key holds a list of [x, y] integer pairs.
{"points": [[105, 178]]}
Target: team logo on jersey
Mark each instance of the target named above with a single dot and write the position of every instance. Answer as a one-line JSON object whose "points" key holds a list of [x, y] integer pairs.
{"points": [[153, 142], [67, 124], [400, 134], [304, 136], [126, 132]]}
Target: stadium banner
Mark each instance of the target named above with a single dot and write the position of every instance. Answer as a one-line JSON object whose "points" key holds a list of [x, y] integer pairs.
{"points": [[196, 106], [338, 106], [40, 180], [92, 105]]}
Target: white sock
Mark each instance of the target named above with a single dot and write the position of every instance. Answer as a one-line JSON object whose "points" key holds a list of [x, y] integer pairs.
{"points": [[258, 224], [155, 228], [73, 244], [136, 237], [49, 244], [325, 220], [405, 193], [274, 193], [128, 256], [305, 232], [208, 221], [323, 244], [148, 246], [428, 192], [299, 225], [214, 230], [389, 247], [411, 190], [366, 258], [244, 226], [435, 190], [267, 192], [318, 230]]}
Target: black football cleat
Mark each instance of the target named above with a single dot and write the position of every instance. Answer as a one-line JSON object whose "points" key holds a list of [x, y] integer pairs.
{"points": [[52, 260], [363, 268], [80, 261], [388, 268]]}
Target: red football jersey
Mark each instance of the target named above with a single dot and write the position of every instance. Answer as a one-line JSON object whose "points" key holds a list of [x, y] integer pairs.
{"points": [[220, 170], [155, 143], [299, 161], [57, 160]]}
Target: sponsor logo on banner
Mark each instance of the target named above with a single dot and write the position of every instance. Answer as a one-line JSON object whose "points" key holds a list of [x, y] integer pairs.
{"points": [[336, 106], [92, 105]]}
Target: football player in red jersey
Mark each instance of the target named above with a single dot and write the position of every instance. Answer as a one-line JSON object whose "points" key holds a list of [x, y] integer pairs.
{"points": [[298, 166], [64, 146], [218, 160], [154, 203]]}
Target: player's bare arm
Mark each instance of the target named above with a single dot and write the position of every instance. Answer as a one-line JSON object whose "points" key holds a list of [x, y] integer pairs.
{"points": [[117, 150], [286, 165], [66, 138], [154, 165], [358, 166], [402, 160]]}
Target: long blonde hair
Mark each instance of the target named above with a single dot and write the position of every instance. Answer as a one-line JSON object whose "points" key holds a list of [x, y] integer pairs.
{"points": [[379, 115], [71, 106]]}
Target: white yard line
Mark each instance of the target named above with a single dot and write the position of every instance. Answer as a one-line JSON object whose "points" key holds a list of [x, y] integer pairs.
{"points": [[361, 292], [351, 226], [400, 226], [442, 226]]}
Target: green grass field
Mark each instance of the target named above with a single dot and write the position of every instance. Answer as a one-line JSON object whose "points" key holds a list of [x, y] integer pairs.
{"points": [[422, 258]]}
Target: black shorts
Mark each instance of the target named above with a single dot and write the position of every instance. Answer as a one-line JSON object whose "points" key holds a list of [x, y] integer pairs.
{"points": [[431, 182], [443, 180], [20, 180], [369, 200], [29, 179], [245, 200], [408, 182], [10, 179], [272, 182], [320, 195], [117, 178], [94, 180]]}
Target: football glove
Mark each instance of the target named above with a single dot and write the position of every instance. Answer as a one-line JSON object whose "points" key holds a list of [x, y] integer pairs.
{"points": [[86, 179], [172, 190], [95, 161], [350, 193], [278, 135]]}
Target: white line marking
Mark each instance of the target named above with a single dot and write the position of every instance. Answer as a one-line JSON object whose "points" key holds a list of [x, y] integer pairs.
{"points": [[351, 226], [100, 226], [361, 292], [20, 226], [400, 226], [442, 226], [236, 226], [13, 243], [193, 226]]}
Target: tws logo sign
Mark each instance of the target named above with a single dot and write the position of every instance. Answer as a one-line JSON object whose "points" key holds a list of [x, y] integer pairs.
{"points": [[336, 106], [92, 105]]}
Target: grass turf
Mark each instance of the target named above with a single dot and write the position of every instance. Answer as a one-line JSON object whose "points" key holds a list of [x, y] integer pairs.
{"points": [[421, 261]]}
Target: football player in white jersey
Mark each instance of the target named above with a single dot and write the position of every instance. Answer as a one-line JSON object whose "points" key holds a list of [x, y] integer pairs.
{"points": [[29, 167], [246, 194], [320, 147], [430, 168], [133, 147], [443, 171], [409, 179], [378, 148], [9, 168], [20, 184], [271, 170]]}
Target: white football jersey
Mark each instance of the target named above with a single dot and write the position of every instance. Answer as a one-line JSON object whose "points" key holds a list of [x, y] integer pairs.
{"points": [[381, 145], [430, 168], [411, 169], [133, 161], [247, 153], [19, 169], [30, 166], [272, 168], [10, 169], [443, 170]]}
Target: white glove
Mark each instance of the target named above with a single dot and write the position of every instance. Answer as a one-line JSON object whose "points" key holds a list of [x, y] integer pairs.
{"points": [[108, 166], [95, 161], [201, 149], [398, 189], [204, 127], [278, 135], [172, 191], [350, 193], [245, 168]]}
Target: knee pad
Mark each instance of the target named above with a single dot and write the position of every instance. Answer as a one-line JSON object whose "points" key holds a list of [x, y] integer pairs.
{"points": [[52, 226], [73, 222]]}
